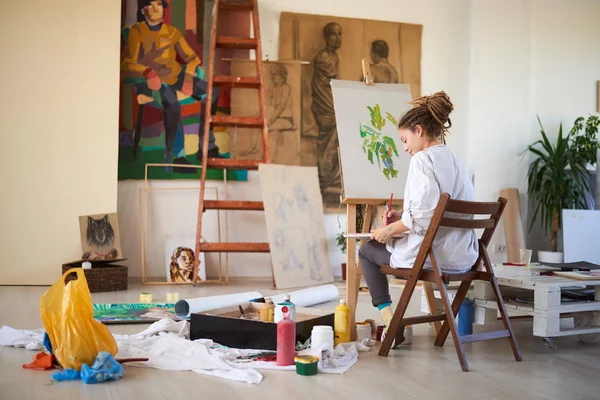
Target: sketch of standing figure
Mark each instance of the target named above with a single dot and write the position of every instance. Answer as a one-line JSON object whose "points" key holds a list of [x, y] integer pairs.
{"points": [[280, 116], [381, 70], [326, 67]]}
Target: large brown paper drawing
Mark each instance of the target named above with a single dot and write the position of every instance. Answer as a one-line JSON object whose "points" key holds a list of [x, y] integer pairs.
{"points": [[295, 225], [334, 47], [282, 101]]}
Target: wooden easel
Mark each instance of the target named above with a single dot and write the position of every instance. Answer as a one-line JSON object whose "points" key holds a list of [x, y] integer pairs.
{"points": [[353, 270]]}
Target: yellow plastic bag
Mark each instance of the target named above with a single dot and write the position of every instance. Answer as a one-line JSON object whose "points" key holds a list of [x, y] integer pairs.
{"points": [[68, 318]]}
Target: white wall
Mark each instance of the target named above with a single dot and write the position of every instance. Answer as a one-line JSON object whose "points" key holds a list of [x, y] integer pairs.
{"points": [[445, 50], [565, 69], [59, 115], [499, 112]]}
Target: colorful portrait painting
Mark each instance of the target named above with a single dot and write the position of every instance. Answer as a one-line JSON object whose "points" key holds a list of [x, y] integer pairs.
{"points": [[163, 91]]}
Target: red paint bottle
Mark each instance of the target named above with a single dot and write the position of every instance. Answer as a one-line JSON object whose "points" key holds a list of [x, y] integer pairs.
{"points": [[286, 340]]}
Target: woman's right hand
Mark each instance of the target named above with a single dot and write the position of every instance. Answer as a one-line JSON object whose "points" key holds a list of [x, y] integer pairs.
{"points": [[392, 216]]}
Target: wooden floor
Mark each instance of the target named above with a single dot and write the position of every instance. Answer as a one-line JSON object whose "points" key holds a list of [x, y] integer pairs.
{"points": [[420, 371]]}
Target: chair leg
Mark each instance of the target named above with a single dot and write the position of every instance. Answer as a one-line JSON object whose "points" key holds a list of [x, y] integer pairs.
{"points": [[502, 308], [460, 296], [506, 321], [451, 321], [407, 293]]}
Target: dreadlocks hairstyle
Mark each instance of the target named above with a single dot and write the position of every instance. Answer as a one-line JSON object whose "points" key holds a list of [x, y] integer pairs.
{"points": [[432, 113]]}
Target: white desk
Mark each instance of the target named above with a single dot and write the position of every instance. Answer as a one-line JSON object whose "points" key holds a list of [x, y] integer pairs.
{"points": [[547, 307]]}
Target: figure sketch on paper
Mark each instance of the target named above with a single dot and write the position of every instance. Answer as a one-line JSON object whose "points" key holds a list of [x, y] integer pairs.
{"points": [[280, 115], [182, 265], [284, 140], [381, 70], [326, 67], [378, 146], [297, 246]]}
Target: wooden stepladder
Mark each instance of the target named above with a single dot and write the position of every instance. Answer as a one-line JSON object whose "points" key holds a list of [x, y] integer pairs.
{"points": [[210, 121]]}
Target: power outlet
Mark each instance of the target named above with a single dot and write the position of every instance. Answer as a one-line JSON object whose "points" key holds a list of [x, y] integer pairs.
{"points": [[500, 248]]}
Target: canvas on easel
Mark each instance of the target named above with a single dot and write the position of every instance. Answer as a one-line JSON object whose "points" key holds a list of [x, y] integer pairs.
{"points": [[373, 160], [295, 225]]}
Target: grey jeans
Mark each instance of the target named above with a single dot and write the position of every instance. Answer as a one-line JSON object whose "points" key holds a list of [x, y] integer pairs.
{"points": [[371, 255]]}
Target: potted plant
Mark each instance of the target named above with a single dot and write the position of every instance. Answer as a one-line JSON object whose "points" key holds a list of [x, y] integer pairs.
{"points": [[558, 179]]}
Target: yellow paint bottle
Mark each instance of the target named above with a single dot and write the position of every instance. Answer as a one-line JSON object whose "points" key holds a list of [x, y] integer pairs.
{"points": [[341, 324], [267, 311]]}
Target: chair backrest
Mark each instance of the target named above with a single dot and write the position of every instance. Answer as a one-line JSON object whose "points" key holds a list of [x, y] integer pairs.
{"points": [[439, 219], [493, 210]]}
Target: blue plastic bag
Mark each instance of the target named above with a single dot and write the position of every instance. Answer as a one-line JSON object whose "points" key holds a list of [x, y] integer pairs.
{"points": [[105, 368]]}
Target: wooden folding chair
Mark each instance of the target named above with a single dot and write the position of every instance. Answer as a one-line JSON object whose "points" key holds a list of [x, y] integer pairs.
{"points": [[396, 328]]}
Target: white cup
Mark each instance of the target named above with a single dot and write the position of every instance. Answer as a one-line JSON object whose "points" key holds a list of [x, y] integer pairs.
{"points": [[525, 256], [321, 335]]}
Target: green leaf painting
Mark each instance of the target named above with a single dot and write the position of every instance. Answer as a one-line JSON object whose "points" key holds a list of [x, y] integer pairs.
{"points": [[378, 146]]}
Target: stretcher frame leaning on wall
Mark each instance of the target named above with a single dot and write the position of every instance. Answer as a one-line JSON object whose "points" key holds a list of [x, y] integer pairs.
{"points": [[143, 192]]}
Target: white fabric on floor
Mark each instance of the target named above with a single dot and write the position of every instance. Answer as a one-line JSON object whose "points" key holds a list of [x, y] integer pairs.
{"points": [[31, 340], [166, 345]]}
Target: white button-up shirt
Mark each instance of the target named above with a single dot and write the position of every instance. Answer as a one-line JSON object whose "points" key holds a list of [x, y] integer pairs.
{"points": [[430, 173]]}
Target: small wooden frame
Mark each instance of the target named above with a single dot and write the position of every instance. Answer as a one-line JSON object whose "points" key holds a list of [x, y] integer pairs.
{"points": [[143, 192]]}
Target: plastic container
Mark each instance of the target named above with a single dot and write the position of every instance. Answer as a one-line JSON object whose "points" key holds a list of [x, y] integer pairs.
{"points": [[267, 311], [286, 340], [408, 335], [465, 318], [321, 335], [307, 365], [363, 331], [289, 305], [341, 325]]}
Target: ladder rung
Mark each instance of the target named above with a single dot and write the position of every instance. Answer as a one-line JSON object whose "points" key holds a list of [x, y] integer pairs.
{"points": [[245, 6], [234, 247], [236, 81], [233, 205], [230, 42], [245, 122], [228, 163]]}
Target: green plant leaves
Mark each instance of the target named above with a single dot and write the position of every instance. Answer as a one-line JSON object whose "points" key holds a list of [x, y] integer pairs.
{"points": [[557, 178]]}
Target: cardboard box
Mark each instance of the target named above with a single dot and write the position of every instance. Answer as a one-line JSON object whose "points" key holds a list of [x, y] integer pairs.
{"points": [[225, 326]]}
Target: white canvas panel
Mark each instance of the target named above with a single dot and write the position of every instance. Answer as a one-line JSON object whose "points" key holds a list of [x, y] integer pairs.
{"points": [[374, 163]]}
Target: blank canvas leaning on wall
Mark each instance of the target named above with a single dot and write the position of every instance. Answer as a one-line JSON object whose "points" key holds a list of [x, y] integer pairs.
{"points": [[295, 225], [374, 163]]}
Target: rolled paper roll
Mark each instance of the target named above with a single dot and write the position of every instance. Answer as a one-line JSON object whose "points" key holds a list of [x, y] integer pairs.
{"points": [[310, 296], [185, 307]]}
